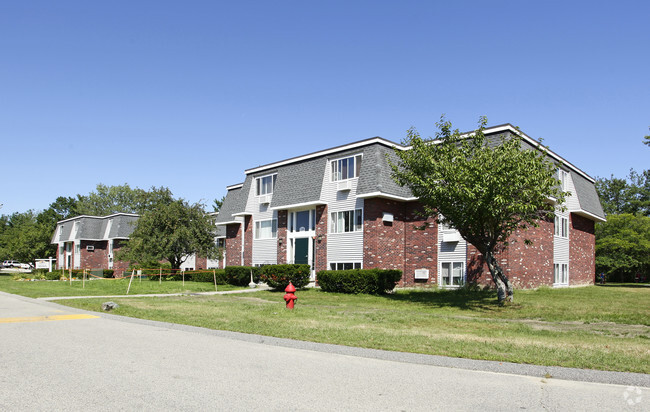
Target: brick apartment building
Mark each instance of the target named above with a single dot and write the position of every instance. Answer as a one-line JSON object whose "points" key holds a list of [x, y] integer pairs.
{"points": [[339, 208], [91, 242]]}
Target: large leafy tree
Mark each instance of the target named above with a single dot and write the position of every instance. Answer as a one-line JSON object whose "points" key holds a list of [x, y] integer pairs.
{"points": [[106, 200], [631, 195], [623, 246], [486, 191], [171, 232], [24, 238]]}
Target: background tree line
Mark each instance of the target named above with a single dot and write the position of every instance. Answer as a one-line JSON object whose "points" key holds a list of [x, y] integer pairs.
{"points": [[623, 242], [26, 236]]}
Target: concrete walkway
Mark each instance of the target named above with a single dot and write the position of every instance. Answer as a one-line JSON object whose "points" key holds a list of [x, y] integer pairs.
{"points": [[225, 292]]}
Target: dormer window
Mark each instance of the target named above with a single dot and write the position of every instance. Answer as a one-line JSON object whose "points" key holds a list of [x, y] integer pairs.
{"points": [[346, 168], [562, 177], [265, 184]]}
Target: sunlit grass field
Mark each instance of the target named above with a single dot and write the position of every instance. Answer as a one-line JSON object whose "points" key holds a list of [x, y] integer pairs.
{"points": [[597, 327]]}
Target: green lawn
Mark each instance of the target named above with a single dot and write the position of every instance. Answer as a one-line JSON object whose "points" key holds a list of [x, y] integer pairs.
{"points": [[101, 287], [597, 327]]}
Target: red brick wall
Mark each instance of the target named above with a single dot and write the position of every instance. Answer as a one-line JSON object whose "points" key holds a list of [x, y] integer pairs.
{"points": [[282, 237], [320, 247], [94, 259], [383, 242], [527, 266], [233, 245], [421, 245], [582, 250], [248, 240]]}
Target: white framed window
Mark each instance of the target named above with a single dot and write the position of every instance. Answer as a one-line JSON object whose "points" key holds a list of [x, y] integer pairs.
{"points": [[346, 221], [561, 226], [562, 177], [345, 265], [346, 168], [452, 274], [561, 274], [302, 221], [264, 185], [266, 229]]}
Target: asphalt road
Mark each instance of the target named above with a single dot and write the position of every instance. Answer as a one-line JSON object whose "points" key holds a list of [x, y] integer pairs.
{"points": [[57, 358]]}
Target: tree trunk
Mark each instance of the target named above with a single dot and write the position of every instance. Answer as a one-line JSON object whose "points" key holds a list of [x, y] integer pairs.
{"points": [[504, 286]]}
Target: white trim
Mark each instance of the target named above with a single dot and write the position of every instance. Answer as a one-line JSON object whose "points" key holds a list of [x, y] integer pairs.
{"points": [[530, 140], [97, 217], [235, 186], [232, 222], [584, 213], [386, 196], [297, 205], [327, 152]]}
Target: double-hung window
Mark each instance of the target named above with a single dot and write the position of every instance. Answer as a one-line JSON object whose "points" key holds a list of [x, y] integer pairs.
{"points": [[346, 168], [562, 177], [265, 184], [345, 265], [561, 226], [451, 273], [266, 229], [561, 273], [346, 221]]}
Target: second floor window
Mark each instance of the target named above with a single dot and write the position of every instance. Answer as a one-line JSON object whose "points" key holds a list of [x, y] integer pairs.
{"points": [[266, 229], [347, 221], [561, 226], [346, 168], [265, 185]]}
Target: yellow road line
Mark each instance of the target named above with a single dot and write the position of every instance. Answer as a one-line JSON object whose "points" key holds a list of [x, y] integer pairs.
{"points": [[46, 318]]}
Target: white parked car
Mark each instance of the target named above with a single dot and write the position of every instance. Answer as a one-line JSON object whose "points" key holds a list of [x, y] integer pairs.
{"points": [[16, 264]]}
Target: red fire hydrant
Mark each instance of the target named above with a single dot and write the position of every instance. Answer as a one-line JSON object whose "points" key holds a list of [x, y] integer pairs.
{"points": [[289, 297]]}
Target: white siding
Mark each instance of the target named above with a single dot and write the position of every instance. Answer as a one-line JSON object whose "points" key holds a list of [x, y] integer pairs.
{"points": [[341, 247], [190, 263], [265, 252], [572, 202], [451, 252], [345, 247], [561, 244]]}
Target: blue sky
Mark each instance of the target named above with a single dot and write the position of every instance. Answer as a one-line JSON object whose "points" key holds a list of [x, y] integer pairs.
{"points": [[190, 94]]}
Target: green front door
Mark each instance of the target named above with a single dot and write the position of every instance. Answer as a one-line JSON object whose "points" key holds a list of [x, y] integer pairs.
{"points": [[301, 251]]}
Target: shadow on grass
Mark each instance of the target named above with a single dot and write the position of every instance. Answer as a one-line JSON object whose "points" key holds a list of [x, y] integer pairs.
{"points": [[465, 299], [624, 285]]}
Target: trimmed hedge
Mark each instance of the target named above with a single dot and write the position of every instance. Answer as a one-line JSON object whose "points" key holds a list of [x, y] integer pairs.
{"points": [[371, 281], [241, 275], [279, 276], [207, 276]]}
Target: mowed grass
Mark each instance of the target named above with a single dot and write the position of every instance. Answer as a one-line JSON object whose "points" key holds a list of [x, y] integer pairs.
{"points": [[102, 287], [606, 328]]}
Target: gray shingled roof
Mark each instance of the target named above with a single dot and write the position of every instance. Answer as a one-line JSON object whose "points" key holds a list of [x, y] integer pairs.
{"points": [[94, 227], [587, 195], [375, 175], [298, 183], [235, 202]]}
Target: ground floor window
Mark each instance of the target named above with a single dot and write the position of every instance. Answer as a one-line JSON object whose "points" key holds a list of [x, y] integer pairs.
{"points": [[452, 273], [561, 274], [345, 265]]}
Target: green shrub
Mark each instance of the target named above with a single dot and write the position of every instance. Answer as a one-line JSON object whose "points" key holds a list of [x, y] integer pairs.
{"points": [[207, 276], [241, 275], [279, 276], [371, 281]]}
